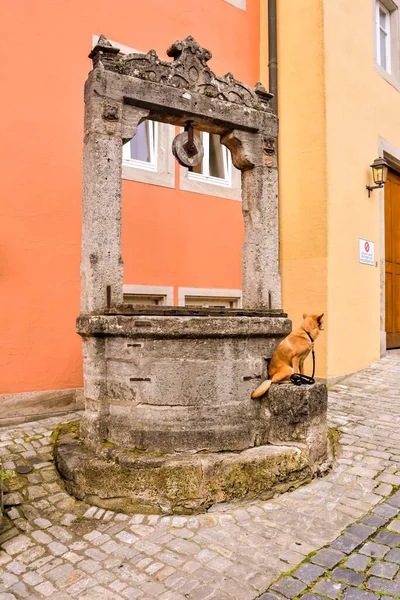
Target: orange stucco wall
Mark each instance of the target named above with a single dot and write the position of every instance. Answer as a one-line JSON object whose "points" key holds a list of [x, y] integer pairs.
{"points": [[170, 237]]}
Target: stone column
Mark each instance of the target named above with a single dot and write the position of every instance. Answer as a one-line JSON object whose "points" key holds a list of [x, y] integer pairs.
{"points": [[108, 123], [255, 155]]}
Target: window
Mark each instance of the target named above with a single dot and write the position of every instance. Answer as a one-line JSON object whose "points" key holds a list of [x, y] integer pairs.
{"points": [[208, 302], [148, 295], [215, 175], [383, 41], [216, 298], [142, 150], [216, 166]]}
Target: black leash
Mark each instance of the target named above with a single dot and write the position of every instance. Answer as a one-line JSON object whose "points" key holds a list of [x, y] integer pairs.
{"points": [[298, 379]]}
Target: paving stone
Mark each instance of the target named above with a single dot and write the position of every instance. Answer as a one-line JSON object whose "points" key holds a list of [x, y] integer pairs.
{"points": [[394, 525], [394, 500], [385, 510], [383, 569], [348, 576], [308, 572], [356, 594], [16, 567], [46, 589], [384, 586], [346, 543], [289, 587], [32, 578], [387, 538], [17, 545], [384, 489], [57, 549], [13, 499], [375, 550], [360, 531], [42, 537], [329, 588], [375, 521], [357, 562], [328, 558], [132, 593], [393, 555], [42, 523]]}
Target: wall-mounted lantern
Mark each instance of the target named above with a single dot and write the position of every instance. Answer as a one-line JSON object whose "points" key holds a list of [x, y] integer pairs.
{"points": [[379, 173]]}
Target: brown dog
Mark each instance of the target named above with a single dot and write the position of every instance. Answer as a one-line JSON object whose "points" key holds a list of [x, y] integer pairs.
{"points": [[291, 353]]}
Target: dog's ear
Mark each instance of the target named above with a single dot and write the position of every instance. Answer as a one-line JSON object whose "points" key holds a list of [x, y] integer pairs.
{"points": [[304, 315], [319, 319]]}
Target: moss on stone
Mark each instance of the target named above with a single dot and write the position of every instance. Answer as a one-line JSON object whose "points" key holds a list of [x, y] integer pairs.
{"points": [[73, 427], [108, 444], [334, 434]]}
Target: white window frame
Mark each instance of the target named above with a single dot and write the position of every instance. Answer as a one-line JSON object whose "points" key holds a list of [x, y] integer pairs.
{"points": [[204, 183], [238, 3], [388, 41], [165, 292], [233, 295], [205, 176], [161, 170]]}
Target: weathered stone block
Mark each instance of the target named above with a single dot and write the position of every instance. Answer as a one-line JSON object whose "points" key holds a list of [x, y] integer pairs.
{"points": [[169, 384], [299, 414]]}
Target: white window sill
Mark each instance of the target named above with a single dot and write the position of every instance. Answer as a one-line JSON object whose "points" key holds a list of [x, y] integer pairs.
{"points": [[148, 176], [208, 187]]}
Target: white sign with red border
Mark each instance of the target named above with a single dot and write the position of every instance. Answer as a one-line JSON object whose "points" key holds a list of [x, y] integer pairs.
{"points": [[367, 252]]}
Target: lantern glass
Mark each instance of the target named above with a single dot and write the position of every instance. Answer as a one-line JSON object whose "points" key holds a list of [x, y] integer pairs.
{"points": [[379, 171]]}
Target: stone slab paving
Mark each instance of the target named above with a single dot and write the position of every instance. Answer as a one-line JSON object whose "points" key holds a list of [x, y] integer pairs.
{"points": [[364, 567], [53, 546]]}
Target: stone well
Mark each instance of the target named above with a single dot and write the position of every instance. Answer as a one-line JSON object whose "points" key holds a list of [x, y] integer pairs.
{"points": [[169, 425]]}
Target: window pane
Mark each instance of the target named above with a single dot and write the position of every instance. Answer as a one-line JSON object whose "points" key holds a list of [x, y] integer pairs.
{"points": [[216, 160], [140, 300], [382, 18], [205, 302], [382, 46], [140, 144]]}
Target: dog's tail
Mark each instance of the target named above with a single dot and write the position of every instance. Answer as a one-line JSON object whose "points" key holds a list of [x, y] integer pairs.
{"points": [[262, 389]]}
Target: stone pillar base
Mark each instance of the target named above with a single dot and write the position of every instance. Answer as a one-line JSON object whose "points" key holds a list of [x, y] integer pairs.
{"points": [[180, 483]]}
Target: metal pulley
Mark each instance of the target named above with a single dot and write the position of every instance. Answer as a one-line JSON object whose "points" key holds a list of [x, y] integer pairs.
{"points": [[188, 148]]}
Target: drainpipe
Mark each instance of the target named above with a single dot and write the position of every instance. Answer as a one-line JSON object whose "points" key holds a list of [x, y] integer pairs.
{"points": [[272, 54]]}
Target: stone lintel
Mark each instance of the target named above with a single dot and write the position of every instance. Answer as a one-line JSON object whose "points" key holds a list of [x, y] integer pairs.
{"points": [[177, 106]]}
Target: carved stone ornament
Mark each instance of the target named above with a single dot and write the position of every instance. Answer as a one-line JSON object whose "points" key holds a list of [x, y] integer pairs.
{"points": [[269, 146], [186, 156], [188, 71]]}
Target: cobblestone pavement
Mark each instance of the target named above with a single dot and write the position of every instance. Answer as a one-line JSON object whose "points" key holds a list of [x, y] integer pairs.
{"points": [[53, 546]]}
